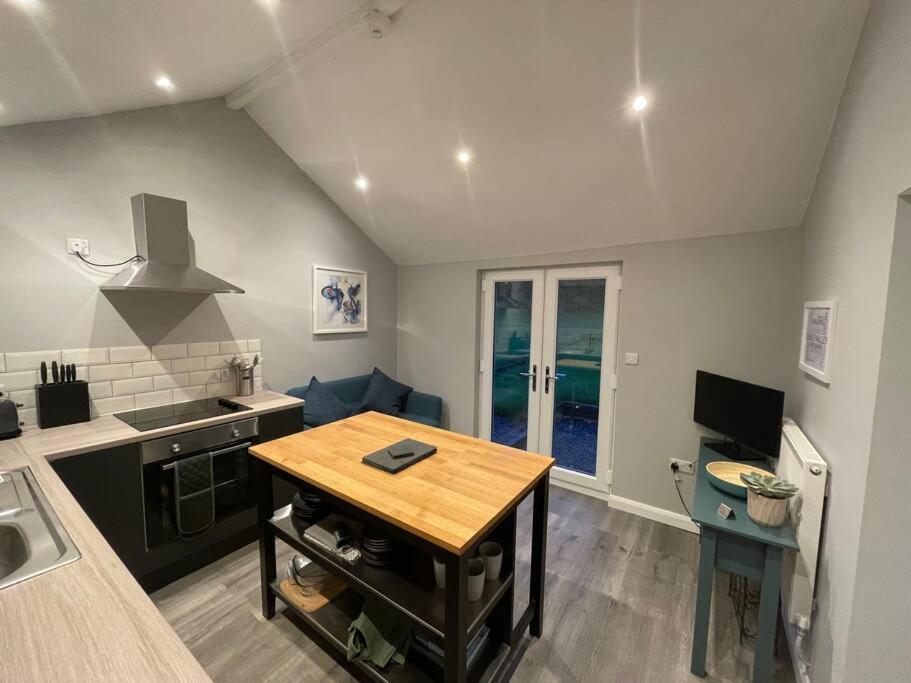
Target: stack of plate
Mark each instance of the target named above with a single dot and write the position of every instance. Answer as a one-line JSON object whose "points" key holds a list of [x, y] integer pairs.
{"points": [[306, 505], [377, 549]]}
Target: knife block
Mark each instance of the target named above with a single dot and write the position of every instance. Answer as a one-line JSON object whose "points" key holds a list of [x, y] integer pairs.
{"points": [[61, 404]]}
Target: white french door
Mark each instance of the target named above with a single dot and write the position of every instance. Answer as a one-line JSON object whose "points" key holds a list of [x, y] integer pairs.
{"points": [[548, 370]]}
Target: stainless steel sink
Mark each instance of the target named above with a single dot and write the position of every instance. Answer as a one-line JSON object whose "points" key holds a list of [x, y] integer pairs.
{"points": [[32, 540]]}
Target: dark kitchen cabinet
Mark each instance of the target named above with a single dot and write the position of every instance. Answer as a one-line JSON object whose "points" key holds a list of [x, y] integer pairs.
{"points": [[274, 426], [108, 486]]}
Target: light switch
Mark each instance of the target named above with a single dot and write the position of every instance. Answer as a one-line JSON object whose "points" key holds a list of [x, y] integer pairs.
{"points": [[632, 358]]}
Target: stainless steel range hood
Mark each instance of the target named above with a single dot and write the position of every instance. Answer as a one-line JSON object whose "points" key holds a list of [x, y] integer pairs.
{"points": [[162, 239]]}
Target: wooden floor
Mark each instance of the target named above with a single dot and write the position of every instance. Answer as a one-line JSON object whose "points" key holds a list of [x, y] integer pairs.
{"points": [[619, 607]]}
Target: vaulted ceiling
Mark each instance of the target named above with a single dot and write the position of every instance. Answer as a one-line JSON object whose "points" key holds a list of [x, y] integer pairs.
{"points": [[741, 99]]}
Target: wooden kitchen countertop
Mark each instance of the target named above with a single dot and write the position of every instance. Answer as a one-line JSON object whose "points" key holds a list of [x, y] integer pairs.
{"points": [[89, 620], [450, 499]]}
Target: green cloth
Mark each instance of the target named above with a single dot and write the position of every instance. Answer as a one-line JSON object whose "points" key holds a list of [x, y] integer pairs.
{"points": [[378, 636]]}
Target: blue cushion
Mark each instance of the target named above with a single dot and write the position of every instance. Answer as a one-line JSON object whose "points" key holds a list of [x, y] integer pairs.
{"points": [[384, 394], [322, 406]]}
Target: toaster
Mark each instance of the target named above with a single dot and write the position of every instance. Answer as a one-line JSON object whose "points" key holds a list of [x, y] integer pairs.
{"points": [[9, 419]]}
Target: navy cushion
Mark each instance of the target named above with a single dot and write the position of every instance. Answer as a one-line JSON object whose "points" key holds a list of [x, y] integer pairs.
{"points": [[322, 406], [384, 394]]}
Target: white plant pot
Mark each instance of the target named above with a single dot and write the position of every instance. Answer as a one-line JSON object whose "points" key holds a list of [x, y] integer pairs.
{"points": [[771, 512]]}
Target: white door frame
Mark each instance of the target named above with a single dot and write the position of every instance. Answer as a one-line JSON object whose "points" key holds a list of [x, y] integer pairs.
{"points": [[542, 351], [485, 387], [600, 482]]}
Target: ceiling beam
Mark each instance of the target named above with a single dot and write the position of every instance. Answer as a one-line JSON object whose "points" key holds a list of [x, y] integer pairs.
{"points": [[365, 14]]}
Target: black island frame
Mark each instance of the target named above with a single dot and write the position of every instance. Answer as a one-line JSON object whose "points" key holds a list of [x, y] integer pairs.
{"points": [[449, 620]]}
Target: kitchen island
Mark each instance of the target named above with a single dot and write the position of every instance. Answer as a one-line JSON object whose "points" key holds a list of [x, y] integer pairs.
{"points": [[442, 507], [90, 620]]}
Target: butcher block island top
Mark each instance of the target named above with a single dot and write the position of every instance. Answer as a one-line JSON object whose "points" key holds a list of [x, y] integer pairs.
{"points": [[449, 499]]}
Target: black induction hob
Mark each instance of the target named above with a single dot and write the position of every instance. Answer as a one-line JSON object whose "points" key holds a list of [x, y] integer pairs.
{"points": [[146, 419]]}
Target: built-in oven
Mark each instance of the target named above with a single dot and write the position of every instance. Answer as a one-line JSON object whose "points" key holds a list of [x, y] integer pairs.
{"points": [[226, 447]]}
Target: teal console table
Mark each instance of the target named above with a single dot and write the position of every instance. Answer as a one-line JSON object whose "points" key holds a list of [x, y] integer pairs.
{"points": [[740, 546]]}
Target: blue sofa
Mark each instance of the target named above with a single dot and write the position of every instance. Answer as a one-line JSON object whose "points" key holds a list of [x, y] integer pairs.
{"points": [[424, 408]]}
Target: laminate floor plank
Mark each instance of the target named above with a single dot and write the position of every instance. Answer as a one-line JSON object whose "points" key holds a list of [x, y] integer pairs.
{"points": [[618, 607]]}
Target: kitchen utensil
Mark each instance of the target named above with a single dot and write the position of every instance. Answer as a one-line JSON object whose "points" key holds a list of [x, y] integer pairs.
{"points": [[725, 476], [63, 403], [476, 575], [43, 372], [55, 372], [492, 554]]}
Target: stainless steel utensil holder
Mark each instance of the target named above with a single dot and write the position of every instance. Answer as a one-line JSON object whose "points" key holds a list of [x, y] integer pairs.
{"points": [[243, 382]]}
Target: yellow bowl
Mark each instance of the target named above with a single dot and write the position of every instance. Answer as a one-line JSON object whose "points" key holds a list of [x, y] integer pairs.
{"points": [[725, 476]]}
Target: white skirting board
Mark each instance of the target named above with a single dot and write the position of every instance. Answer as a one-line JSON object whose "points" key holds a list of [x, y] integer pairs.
{"points": [[651, 512]]}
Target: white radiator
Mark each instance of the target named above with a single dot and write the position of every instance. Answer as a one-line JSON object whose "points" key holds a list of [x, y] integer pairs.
{"points": [[801, 464]]}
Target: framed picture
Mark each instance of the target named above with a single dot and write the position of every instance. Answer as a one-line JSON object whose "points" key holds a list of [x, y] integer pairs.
{"points": [[339, 300], [817, 339]]}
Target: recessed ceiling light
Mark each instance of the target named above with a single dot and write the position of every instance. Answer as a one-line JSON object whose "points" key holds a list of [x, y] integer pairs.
{"points": [[361, 183], [164, 83], [464, 156], [640, 103]]}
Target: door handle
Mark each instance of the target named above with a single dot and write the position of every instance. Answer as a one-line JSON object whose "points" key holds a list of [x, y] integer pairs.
{"points": [[534, 377]]}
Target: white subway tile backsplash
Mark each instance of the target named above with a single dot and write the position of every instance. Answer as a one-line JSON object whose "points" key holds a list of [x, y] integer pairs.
{"points": [[129, 354], [106, 406], [100, 390], [86, 356], [188, 364], [206, 377], [123, 378], [26, 397], [189, 394], [180, 379], [137, 385], [238, 346], [152, 367], [202, 349], [220, 389], [29, 416], [168, 351], [30, 360], [101, 373], [18, 380], [155, 398], [217, 362]]}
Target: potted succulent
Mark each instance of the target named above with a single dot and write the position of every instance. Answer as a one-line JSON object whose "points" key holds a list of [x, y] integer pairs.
{"points": [[767, 498]]}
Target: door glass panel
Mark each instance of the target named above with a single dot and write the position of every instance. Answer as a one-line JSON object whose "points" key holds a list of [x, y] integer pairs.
{"points": [[577, 390], [511, 350]]}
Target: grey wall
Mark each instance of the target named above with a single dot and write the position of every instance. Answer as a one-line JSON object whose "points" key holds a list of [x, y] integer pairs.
{"points": [[255, 218], [848, 234], [727, 304], [881, 606]]}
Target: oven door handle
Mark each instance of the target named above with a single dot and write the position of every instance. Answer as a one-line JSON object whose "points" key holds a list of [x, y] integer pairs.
{"points": [[222, 451]]}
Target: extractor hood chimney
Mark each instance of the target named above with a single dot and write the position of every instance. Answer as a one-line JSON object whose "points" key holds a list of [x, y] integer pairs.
{"points": [[162, 239]]}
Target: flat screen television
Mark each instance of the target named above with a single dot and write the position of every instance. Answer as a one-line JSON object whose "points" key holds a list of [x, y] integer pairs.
{"points": [[747, 415]]}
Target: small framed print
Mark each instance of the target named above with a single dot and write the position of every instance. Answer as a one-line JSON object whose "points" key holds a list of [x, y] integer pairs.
{"points": [[817, 338], [339, 300]]}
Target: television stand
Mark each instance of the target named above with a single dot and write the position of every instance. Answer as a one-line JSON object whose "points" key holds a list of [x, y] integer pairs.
{"points": [[734, 450]]}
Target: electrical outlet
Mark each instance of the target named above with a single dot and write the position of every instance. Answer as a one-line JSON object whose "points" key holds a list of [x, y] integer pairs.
{"points": [[77, 245], [685, 466]]}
